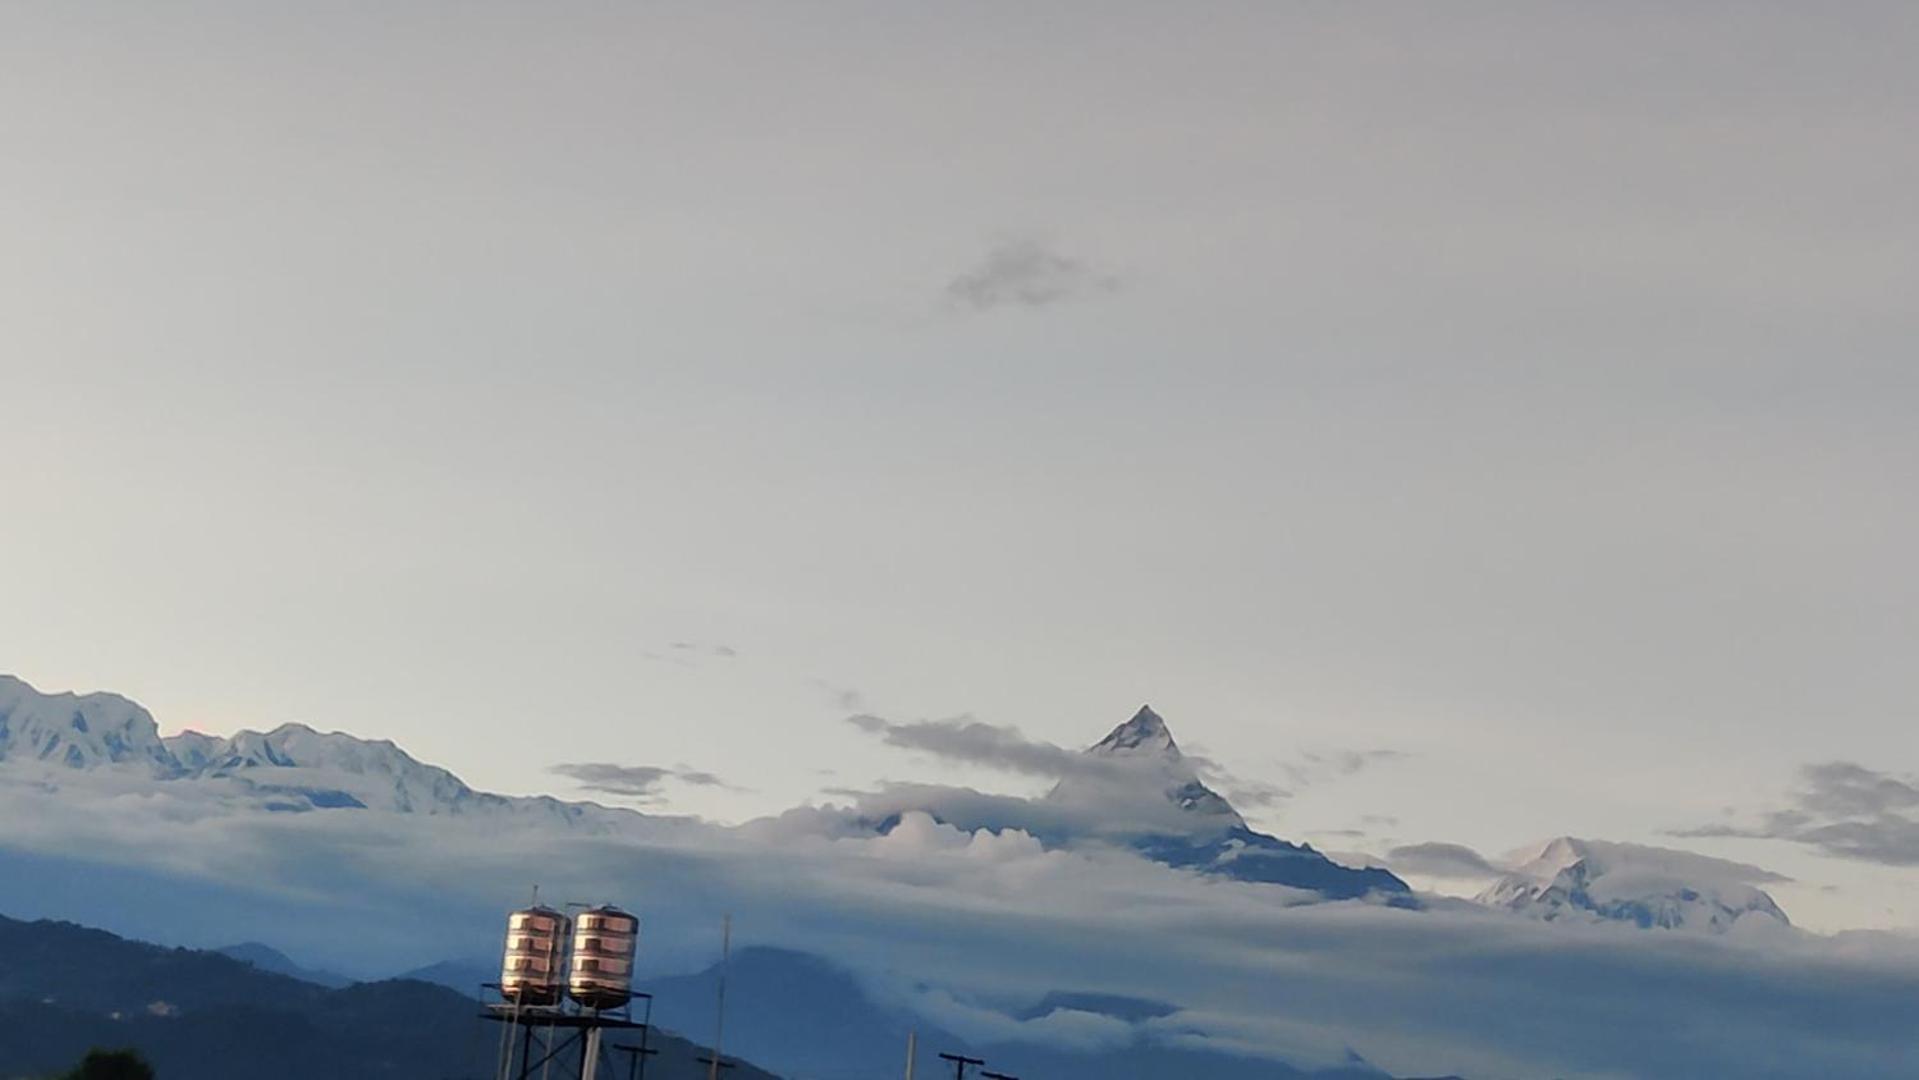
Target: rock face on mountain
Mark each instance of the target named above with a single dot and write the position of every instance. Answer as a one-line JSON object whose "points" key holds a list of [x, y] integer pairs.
{"points": [[1208, 834], [1653, 888]]}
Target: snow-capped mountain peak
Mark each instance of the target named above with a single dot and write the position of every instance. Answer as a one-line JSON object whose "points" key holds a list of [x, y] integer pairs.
{"points": [[1143, 764], [1143, 752], [1594, 880], [193, 750], [76, 730], [1145, 733]]}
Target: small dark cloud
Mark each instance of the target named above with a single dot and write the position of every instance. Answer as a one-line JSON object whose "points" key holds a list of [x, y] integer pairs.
{"points": [[641, 783], [1441, 860], [698, 778], [1844, 810], [627, 781], [1348, 762], [687, 653], [845, 698], [1114, 791], [968, 741], [975, 742], [1321, 766], [1027, 273]]}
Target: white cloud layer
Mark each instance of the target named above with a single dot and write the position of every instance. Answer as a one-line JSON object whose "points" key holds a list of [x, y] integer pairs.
{"points": [[985, 922]]}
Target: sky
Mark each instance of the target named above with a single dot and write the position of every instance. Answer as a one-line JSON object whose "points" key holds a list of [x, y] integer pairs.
{"points": [[1484, 423]]}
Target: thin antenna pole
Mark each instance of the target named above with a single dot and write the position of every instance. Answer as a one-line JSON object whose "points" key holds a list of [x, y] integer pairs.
{"points": [[719, 1024], [912, 1052]]}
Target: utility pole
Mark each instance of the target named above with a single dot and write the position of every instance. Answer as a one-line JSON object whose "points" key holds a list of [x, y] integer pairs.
{"points": [[636, 1059], [960, 1062], [716, 1063], [637, 1055], [912, 1052]]}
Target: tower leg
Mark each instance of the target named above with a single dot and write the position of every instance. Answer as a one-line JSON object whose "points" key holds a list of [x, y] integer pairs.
{"points": [[590, 1057]]}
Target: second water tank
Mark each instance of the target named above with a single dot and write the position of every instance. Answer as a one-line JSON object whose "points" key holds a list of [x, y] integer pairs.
{"points": [[600, 975]]}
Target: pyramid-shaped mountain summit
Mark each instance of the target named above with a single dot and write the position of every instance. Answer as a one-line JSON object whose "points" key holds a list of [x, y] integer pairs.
{"points": [[1145, 733], [1218, 840], [1146, 738]]}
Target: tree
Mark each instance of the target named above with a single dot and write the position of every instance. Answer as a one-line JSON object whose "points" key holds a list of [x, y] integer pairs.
{"points": [[111, 1065]]}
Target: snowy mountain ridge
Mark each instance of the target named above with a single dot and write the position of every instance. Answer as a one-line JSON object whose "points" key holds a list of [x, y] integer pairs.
{"points": [[293, 767], [1653, 888]]}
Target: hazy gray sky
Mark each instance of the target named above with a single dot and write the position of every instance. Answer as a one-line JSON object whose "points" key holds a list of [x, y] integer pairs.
{"points": [[1529, 389]]}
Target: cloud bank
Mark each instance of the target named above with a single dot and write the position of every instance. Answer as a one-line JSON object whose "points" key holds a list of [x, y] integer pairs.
{"points": [[987, 921]]}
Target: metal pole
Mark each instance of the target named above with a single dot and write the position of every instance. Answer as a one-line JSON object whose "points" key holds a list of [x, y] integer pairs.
{"points": [[719, 1024], [505, 1056], [646, 1033], [590, 1056], [912, 1052]]}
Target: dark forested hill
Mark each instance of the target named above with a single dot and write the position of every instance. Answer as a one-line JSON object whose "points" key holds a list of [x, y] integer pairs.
{"points": [[203, 1016]]}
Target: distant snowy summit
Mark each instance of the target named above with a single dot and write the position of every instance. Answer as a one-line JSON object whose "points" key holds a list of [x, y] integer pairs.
{"points": [[1653, 888], [291, 768]]}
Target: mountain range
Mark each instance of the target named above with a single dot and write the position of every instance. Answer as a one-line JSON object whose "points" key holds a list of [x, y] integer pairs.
{"points": [[340, 849], [294, 768]]}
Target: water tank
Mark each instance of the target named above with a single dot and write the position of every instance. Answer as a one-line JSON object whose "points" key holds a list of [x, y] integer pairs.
{"points": [[601, 971], [533, 972]]}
